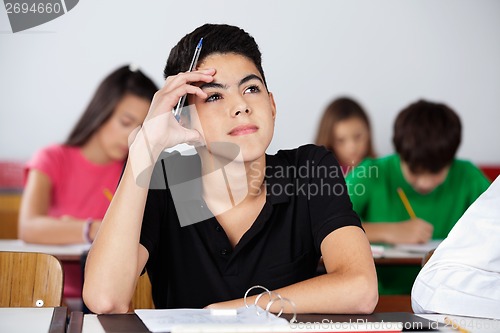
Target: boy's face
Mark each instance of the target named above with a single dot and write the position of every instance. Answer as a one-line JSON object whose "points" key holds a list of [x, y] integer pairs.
{"points": [[424, 182], [238, 109]]}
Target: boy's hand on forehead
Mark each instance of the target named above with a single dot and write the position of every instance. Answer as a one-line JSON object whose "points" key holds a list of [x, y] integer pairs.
{"points": [[178, 85], [199, 75], [160, 129]]}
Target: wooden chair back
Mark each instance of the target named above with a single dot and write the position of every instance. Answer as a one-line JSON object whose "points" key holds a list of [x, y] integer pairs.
{"points": [[143, 297], [29, 279]]}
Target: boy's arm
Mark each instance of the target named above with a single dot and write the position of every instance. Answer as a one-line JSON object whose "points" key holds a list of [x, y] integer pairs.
{"points": [[117, 258], [349, 286]]}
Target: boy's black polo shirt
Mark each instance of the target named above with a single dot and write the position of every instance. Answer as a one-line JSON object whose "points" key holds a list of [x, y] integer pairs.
{"points": [[195, 265]]}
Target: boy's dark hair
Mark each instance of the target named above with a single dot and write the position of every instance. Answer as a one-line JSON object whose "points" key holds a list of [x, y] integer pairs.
{"points": [[112, 89], [217, 38], [427, 136]]}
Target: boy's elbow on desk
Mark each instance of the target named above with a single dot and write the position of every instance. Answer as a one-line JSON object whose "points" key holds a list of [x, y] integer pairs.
{"points": [[365, 296], [358, 295], [361, 294], [368, 303], [102, 304]]}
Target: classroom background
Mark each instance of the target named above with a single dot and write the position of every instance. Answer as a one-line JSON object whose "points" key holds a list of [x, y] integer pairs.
{"points": [[384, 53]]}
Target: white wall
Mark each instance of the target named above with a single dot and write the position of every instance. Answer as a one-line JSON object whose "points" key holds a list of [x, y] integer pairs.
{"points": [[384, 53]]}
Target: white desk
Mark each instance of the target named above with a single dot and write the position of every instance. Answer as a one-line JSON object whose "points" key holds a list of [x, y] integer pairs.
{"points": [[62, 252], [91, 324], [33, 320]]}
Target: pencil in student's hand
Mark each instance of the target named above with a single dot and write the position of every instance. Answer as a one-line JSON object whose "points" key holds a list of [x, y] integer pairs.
{"points": [[108, 194], [406, 203], [194, 62], [455, 326]]}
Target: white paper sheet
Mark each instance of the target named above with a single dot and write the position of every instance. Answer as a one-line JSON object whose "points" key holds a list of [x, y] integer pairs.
{"points": [[246, 320], [166, 320], [419, 248]]}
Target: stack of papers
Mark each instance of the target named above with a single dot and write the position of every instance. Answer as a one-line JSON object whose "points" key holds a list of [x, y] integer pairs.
{"points": [[180, 320], [247, 320], [377, 251], [419, 248], [404, 250]]}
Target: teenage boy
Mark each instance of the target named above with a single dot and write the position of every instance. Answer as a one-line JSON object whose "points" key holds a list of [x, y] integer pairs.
{"points": [[438, 186], [254, 227]]}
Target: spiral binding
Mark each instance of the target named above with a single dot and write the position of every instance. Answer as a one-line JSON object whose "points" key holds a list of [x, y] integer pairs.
{"points": [[273, 297]]}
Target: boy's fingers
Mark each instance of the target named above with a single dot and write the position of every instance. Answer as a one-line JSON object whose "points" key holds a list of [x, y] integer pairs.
{"points": [[189, 77]]}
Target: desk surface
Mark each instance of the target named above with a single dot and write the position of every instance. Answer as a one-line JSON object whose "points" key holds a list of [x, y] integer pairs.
{"points": [[398, 255], [33, 320], [91, 324], [62, 252]]}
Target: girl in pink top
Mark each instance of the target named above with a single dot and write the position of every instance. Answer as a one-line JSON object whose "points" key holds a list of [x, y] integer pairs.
{"points": [[68, 187]]}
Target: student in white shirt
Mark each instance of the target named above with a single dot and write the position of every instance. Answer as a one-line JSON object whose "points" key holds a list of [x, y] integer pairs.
{"points": [[463, 275]]}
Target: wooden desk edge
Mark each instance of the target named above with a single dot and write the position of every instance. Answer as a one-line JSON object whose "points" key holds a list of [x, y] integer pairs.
{"points": [[58, 323], [416, 261], [75, 322]]}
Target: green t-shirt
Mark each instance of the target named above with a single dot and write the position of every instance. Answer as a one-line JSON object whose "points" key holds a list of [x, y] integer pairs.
{"points": [[373, 190]]}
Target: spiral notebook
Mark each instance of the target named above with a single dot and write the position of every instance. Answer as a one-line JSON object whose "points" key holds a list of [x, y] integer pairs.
{"points": [[251, 318], [173, 320], [246, 320]]}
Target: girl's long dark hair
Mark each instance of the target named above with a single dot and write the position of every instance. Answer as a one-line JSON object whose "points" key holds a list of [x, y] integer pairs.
{"points": [[111, 90]]}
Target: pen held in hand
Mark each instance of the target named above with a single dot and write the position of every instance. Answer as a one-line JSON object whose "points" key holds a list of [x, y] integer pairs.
{"points": [[194, 62]]}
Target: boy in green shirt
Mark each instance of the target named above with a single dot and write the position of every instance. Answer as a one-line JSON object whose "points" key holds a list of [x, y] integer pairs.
{"points": [[439, 187]]}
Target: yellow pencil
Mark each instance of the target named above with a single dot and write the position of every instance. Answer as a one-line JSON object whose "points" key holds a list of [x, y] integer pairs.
{"points": [[455, 326], [108, 194], [405, 201]]}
